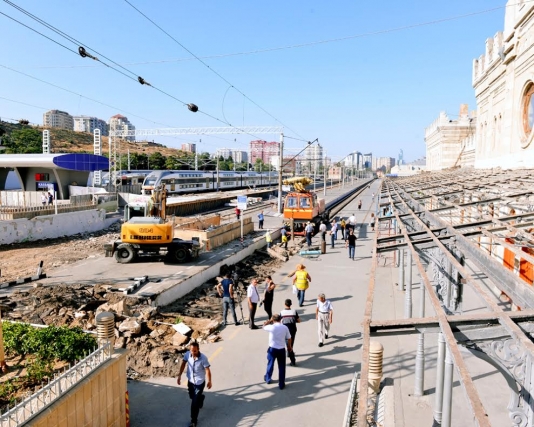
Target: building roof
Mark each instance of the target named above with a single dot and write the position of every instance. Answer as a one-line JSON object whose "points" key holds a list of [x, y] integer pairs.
{"points": [[72, 161]]}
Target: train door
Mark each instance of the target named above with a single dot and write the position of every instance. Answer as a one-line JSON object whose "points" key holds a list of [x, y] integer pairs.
{"points": [[526, 272], [509, 257], [173, 185]]}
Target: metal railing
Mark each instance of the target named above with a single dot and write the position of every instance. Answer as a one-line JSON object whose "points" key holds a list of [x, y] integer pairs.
{"points": [[32, 405], [76, 203]]}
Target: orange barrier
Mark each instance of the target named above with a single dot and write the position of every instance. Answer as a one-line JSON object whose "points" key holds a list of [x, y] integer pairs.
{"points": [[127, 410]]}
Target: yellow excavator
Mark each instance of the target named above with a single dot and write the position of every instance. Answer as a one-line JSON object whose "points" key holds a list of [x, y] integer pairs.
{"points": [[146, 232]]}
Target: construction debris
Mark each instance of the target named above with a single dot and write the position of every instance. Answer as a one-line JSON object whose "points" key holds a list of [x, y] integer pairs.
{"points": [[155, 337]]}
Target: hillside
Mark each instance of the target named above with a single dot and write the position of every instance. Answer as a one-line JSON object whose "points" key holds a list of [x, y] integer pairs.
{"points": [[67, 141]]}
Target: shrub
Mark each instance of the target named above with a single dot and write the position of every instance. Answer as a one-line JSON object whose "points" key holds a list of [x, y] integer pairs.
{"points": [[51, 343]]}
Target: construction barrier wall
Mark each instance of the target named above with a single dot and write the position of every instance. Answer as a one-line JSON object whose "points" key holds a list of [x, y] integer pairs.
{"points": [[197, 223], [98, 400], [53, 226], [218, 236]]}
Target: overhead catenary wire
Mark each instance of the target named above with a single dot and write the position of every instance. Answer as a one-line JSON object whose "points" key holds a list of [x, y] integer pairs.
{"points": [[311, 43], [82, 52], [139, 79], [211, 69]]}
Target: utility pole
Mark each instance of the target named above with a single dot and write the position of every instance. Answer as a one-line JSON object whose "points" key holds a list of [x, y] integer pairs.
{"points": [[129, 167], [217, 173], [196, 159], [324, 172], [280, 173]]}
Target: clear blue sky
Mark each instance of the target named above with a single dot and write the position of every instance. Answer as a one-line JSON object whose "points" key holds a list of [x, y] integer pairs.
{"points": [[372, 93]]}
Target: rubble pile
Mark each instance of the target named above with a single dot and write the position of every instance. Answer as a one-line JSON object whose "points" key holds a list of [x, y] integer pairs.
{"points": [[155, 337]]}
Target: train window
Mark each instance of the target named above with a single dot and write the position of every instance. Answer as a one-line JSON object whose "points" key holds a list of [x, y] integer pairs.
{"points": [[292, 202], [304, 202]]}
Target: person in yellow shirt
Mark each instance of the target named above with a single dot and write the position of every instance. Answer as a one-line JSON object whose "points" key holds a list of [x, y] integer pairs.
{"points": [[302, 282]]}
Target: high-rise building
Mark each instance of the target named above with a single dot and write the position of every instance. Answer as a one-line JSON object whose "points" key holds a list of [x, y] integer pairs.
{"points": [[384, 163], [313, 158], [189, 147], [263, 150], [120, 123], [58, 119], [354, 160], [89, 124], [367, 161], [240, 156]]}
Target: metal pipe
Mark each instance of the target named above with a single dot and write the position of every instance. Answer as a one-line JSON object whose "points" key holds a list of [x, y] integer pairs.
{"points": [[419, 389], [438, 404], [408, 294], [447, 390], [401, 270]]}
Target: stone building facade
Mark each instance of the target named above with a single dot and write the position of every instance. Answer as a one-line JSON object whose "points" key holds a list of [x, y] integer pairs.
{"points": [[451, 143], [503, 79]]}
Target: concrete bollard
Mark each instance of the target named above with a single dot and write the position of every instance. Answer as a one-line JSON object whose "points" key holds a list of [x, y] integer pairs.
{"points": [[105, 328], [376, 354]]}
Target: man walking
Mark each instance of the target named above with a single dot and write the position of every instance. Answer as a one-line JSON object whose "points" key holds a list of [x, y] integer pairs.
{"points": [[350, 243], [352, 222], [198, 368], [309, 233], [253, 298], [290, 318], [323, 313], [225, 288], [279, 336], [261, 218], [237, 213], [333, 234]]}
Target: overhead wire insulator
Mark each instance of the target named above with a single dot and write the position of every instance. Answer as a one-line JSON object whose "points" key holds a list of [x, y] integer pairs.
{"points": [[143, 81], [192, 107], [84, 54]]}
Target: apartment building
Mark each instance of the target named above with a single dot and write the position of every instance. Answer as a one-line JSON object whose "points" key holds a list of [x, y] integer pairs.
{"points": [[58, 119]]}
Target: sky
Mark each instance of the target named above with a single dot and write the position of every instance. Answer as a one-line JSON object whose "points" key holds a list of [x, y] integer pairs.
{"points": [[375, 81]]}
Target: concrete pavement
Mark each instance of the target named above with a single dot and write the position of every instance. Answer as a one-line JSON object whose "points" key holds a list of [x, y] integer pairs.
{"points": [[316, 389]]}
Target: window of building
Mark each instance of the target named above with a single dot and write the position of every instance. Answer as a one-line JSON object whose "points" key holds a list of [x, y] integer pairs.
{"points": [[528, 112]]}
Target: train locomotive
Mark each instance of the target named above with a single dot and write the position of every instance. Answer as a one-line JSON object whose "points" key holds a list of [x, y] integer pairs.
{"points": [[176, 182]]}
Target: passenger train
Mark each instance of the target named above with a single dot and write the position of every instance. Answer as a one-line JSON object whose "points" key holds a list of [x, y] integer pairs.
{"points": [[191, 181]]}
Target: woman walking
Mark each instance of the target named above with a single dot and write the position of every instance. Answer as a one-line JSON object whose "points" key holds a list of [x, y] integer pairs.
{"points": [[268, 296], [302, 282]]}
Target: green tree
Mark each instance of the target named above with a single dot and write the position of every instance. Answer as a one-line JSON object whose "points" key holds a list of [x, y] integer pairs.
{"points": [[259, 166], [157, 161], [23, 141]]}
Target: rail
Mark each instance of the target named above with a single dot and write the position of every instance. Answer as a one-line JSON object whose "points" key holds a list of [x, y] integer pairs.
{"points": [[31, 406]]}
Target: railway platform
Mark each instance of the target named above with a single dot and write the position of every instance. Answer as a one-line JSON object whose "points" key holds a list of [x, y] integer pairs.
{"points": [[317, 388]]}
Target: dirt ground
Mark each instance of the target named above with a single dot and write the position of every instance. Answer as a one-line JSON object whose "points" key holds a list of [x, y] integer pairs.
{"points": [[22, 259]]}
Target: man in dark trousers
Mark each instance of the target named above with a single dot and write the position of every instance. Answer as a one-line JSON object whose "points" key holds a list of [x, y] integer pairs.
{"points": [[237, 213], [226, 290], [350, 243], [198, 368], [253, 298], [261, 218], [290, 318], [279, 337]]}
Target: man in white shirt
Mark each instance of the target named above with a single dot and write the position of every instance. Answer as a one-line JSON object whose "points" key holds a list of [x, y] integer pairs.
{"points": [[278, 337], [323, 313], [352, 222], [309, 233], [253, 298], [198, 368], [322, 230]]}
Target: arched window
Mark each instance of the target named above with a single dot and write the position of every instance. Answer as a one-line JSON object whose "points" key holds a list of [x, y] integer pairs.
{"points": [[528, 110]]}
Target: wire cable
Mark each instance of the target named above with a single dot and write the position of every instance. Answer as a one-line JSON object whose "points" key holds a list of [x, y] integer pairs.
{"points": [[82, 52], [24, 103], [210, 68], [312, 43]]}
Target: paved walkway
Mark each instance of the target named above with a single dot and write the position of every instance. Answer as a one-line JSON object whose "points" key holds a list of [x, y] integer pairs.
{"points": [[316, 389]]}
